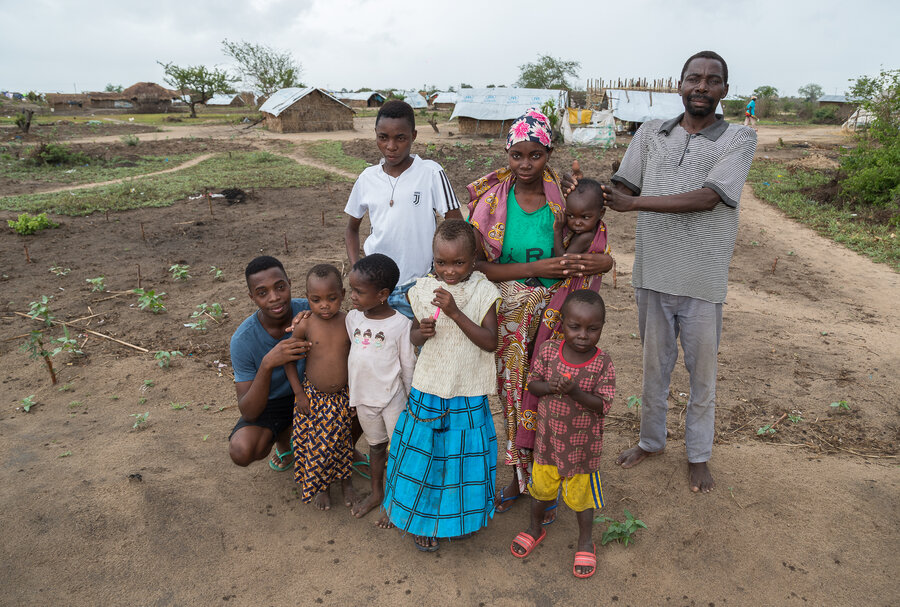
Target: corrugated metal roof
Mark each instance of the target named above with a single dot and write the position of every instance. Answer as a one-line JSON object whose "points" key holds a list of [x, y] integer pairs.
{"points": [[285, 98], [641, 106], [504, 103], [220, 100], [833, 99]]}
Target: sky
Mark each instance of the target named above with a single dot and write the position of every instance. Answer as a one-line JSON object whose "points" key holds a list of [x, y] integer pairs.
{"points": [[67, 46]]}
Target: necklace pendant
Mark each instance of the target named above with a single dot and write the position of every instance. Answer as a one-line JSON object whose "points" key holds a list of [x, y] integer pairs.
{"points": [[392, 202]]}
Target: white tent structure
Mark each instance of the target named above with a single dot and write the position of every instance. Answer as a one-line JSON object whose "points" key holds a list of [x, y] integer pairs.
{"points": [[641, 106], [858, 120], [445, 98], [414, 99], [491, 111]]}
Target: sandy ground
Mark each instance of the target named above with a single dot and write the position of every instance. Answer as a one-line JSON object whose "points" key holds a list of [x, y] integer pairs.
{"points": [[96, 512]]}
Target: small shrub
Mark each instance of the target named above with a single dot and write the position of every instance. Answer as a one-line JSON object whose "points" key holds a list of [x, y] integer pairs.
{"points": [[27, 224], [825, 115], [140, 419], [55, 154], [98, 285], [130, 140], [620, 532], [179, 271], [148, 299], [164, 358], [27, 403]]}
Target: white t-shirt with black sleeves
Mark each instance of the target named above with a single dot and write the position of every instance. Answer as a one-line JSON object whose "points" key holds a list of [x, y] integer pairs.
{"points": [[405, 230]]}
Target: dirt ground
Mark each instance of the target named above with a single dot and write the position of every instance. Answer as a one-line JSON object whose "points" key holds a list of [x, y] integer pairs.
{"points": [[96, 512]]}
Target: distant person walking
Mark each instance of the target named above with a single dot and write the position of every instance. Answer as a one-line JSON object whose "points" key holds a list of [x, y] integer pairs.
{"points": [[750, 118]]}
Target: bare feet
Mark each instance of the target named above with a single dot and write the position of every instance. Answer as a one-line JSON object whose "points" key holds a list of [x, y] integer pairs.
{"points": [[634, 456], [701, 478], [384, 523], [371, 502], [322, 500], [351, 497]]}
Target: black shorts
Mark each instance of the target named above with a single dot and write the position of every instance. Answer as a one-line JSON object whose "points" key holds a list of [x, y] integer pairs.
{"points": [[277, 416]]}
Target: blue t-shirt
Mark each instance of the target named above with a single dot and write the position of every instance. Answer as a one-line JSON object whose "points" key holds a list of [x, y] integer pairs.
{"points": [[251, 342], [751, 107]]}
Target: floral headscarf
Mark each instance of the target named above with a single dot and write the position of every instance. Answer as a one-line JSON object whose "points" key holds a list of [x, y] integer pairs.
{"points": [[531, 126]]}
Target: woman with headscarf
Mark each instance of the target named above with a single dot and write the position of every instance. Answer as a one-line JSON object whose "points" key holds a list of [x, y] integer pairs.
{"points": [[513, 211]]}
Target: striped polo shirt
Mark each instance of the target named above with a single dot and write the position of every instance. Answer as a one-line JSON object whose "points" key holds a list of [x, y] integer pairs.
{"points": [[687, 253]]}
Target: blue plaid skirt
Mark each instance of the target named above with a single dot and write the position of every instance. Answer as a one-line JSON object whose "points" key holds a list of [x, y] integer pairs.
{"points": [[442, 466]]}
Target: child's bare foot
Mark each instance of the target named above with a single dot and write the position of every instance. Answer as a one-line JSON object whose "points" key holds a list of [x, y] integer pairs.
{"points": [[371, 502], [322, 500], [634, 456], [351, 497], [701, 478], [384, 523]]}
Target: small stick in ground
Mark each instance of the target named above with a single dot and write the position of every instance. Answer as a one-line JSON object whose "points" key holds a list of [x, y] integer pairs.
{"points": [[323, 218], [139, 276], [143, 235], [209, 202], [774, 264], [27, 256], [614, 273], [60, 322], [107, 215], [286, 252]]}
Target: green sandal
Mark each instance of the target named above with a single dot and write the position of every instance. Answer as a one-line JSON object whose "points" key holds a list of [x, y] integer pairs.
{"points": [[282, 465], [357, 467]]}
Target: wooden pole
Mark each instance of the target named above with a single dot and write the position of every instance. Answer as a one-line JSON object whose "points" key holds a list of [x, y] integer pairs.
{"points": [[143, 235], [139, 276], [27, 256], [286, 251], [209, 202], [323, 218]]}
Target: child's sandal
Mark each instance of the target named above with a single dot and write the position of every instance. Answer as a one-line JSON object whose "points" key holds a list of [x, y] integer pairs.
{"points": [[585, 559], [524, 540]]}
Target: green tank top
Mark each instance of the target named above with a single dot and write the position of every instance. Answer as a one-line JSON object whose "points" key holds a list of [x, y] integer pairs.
{"points": [[528, 236]]}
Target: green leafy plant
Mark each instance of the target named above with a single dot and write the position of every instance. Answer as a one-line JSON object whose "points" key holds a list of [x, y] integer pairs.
{"points": [[60, 271], [66, 343], [164, 358], [148, 299], [795, 417], [841, 405], [217, 273], [204, 312], [142, 400], [65, 388], [431, 149], [34, 347], [633, 402], [148, 383], [40, 309], [27, 403], [98, 285], [130, 140], [75, 404], [179, 271], [140, 419], [620, 531], [766, 430], [178, 406], [65, 454]]}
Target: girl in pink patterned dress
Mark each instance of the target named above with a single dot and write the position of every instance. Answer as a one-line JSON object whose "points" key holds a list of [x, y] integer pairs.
{"points": [[575, 382]]}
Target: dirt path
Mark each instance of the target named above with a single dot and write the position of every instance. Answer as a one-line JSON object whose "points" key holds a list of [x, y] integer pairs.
{"points": [[83, 186]]}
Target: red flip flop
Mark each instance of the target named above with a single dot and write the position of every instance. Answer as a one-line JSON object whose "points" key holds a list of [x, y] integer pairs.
{"points": [[585, 559], [527, 542]]}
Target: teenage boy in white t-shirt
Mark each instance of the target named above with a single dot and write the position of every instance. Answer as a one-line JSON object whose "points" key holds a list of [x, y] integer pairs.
{"points": [[401, 195]]}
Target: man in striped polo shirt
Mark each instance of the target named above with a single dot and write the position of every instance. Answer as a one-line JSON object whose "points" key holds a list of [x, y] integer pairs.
{"points": [[684, 177]]}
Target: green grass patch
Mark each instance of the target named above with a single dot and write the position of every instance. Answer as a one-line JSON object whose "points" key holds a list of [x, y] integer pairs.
{"points": [[332, 152], [855, 228], [235, 170], [95, 170]]}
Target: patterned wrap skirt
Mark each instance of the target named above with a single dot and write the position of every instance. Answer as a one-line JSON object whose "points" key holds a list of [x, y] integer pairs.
{"points": [[442, 466], [323, 452], [518, 319]]}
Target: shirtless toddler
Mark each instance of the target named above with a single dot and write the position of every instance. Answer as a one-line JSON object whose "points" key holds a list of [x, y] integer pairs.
{"points": [[321, 433]]}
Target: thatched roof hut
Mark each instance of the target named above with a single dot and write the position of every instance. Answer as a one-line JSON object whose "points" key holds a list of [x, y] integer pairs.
{"points": [[296, 110], [150, 97], [61, 102]]}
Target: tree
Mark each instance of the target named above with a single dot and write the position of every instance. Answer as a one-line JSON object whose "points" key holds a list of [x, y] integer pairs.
{"points": [[465, 86], [548, 73], [765, 91], [114, 88], [263, 68], [811, 91], [197, 84], [872, 168]]}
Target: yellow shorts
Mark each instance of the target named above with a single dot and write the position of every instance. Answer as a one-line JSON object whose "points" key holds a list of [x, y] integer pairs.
{"points": [[579, 492]]}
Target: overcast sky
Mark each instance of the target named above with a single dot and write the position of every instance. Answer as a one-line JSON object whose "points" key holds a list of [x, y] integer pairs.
{"points": [[68, 46]]}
